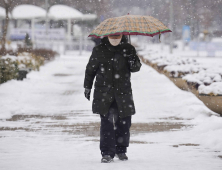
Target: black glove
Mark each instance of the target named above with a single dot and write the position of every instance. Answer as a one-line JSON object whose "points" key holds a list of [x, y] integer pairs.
{"points": [[87, 93], [131, 60]]}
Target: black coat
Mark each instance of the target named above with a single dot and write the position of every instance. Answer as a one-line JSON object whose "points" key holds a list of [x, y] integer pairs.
{"points": [[112, 69]]}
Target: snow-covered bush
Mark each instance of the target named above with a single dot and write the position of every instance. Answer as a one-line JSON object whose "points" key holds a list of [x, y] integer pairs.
{"points": [[206, 76], [176, 66], [30, 61], [23, 58], [213, 89], [206, 81], [8, 69], [45, 53], [179, 71]]}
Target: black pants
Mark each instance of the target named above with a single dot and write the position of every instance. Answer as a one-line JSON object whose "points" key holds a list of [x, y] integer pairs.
{"points": [[114, 132]]}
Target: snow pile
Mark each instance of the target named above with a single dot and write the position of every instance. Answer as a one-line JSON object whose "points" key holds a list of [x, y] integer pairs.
{"points": [[209, 81], [205, 77], [176, 66], [172, 60], [214, 88], [163, 59], [182, 70]]}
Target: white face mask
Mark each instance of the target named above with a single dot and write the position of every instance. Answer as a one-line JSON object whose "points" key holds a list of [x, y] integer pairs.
{"points": [[114, 42]]}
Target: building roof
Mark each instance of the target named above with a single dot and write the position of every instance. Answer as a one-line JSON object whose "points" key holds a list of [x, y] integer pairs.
{"points": [[28, 12], [60, 12]]}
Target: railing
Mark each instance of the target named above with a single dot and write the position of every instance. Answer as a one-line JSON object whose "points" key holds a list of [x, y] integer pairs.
{"points": [[62, 47]]}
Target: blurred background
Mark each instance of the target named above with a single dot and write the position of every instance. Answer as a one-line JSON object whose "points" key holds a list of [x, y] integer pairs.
{"points": [[65, 24]]}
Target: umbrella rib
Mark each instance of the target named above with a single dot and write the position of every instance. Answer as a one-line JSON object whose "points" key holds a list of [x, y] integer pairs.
{"points": [[161, 23], [127, 19], [147, 23], [103, 27], [154, 24], [125, 28]]}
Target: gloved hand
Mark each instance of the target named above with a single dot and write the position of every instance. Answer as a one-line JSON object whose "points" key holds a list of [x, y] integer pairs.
{"points": [[131, 60], [87, 93]]}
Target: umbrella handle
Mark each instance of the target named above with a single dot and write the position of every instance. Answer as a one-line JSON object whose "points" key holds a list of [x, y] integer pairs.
{"points": [[159, 36], [129, 39]]}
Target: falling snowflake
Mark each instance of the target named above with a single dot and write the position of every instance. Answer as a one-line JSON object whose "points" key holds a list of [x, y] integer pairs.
{"points": [[117, 76]]}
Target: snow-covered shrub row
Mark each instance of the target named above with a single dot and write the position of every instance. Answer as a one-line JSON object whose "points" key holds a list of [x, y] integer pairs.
{"points": [[205, 77], [181, 70], [22, 58], [46, 53], [10, 65], [26, 60], [207, 81], [175, 66], [162, 59], [171, 60], [187, 74], [213, 89], [8, 69]]}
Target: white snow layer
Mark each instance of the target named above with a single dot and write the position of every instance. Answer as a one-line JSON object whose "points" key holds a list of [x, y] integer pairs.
{"points": [[64, 12], [214, 88], [185, 69], [28, 12], [209, 79], [189, 69], [58, 88]]}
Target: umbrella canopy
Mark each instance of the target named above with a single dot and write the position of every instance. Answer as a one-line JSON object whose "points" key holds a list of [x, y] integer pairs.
{"points": [[130, 25]]}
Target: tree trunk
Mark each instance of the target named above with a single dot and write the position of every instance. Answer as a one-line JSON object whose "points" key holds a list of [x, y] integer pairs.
{"points": [[5, 29]]}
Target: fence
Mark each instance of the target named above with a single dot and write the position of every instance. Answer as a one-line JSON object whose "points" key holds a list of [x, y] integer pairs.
{"points": [[210, 47], [80, 44]]}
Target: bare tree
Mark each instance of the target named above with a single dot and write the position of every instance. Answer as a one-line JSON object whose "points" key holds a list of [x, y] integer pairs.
{"points": [[7, 5]]}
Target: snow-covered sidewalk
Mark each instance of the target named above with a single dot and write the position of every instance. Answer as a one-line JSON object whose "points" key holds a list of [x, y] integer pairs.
{"points": [[46, 123]]}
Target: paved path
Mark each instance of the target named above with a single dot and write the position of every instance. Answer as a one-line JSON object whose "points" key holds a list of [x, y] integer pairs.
{"points": [[52, 127]]}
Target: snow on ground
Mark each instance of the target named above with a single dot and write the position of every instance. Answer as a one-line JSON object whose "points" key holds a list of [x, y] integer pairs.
{"points": [[53, 126]]}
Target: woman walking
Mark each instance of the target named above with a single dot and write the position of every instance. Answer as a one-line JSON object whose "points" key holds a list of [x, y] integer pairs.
{"points": [[112, 63]]}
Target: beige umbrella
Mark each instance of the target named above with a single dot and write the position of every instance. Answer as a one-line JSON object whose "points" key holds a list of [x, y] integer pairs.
{"points": [[130, 25]]}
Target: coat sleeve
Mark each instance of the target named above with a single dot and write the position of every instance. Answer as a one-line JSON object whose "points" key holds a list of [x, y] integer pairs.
{"points": [[134, 61], [91, 69]]}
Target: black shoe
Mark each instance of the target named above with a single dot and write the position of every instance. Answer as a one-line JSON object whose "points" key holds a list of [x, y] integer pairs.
{"points": [[122, 156], [106, 159]]}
